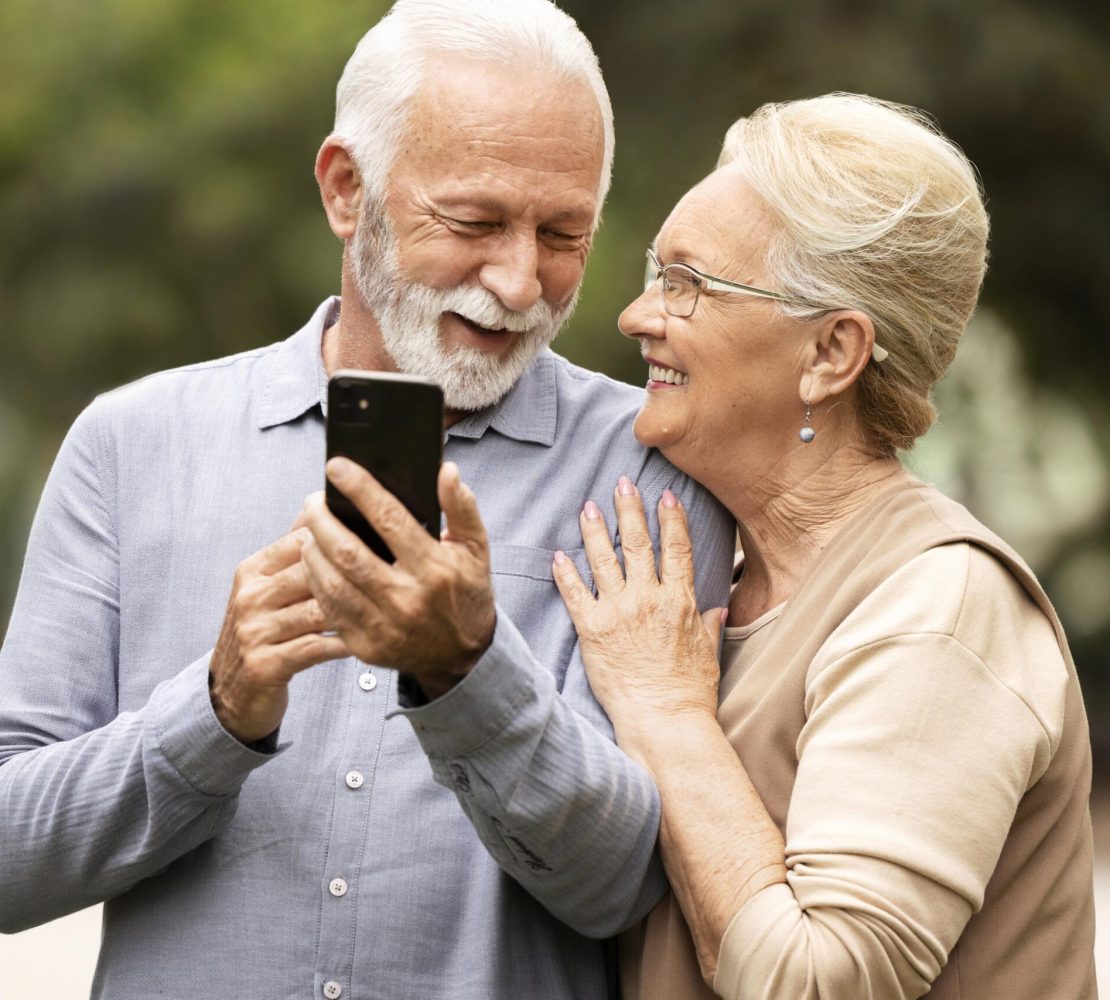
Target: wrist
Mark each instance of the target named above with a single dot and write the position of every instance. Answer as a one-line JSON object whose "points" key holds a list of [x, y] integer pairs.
{"points": [[656, 735], [435, 683], [254, 733]]}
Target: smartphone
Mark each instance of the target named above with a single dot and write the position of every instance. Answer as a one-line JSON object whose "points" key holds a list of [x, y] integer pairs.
{"points": [[392, 425]]}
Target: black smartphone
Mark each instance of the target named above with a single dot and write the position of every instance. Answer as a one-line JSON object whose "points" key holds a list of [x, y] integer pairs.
{"points": [[392, 425]]}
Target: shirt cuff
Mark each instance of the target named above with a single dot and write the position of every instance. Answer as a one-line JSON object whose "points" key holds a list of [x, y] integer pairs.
{"points": [[755, 940], [190, 736], [483, 703]]}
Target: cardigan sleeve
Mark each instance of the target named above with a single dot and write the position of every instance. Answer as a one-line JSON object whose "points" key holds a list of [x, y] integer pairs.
{"points": [[929, 713]]}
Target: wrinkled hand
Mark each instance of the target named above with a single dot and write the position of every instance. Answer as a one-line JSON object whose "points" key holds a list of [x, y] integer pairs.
{"points": [[270, 632], [647, 651], [431, 612]]}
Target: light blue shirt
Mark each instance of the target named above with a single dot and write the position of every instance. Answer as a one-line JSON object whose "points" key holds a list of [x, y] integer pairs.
{"points": [[342, 865]]}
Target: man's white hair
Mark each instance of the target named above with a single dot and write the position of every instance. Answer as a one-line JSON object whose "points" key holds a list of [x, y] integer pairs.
{"points": [[385, 72]]}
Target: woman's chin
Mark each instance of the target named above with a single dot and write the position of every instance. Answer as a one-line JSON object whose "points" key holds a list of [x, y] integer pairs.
{"points": [[654, 431]]}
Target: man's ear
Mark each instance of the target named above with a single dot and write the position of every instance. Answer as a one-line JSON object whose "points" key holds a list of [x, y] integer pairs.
{"points": [[841, 350], [340, 186]]}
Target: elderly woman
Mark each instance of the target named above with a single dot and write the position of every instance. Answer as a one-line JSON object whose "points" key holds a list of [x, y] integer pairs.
{"points": [[882, 791]]}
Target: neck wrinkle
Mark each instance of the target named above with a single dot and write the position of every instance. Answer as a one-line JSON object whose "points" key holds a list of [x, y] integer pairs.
{"points": [[783, 533]]}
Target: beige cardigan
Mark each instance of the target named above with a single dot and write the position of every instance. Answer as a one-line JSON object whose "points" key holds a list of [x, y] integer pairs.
{"points": [[924, 702]]}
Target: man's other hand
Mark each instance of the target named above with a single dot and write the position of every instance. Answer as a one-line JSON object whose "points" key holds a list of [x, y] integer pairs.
{"points": [[271, 631], [431, 612]]}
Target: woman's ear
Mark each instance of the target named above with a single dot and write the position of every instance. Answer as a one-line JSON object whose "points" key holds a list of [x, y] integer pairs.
{"points": [[842, 349], [340, 186]]}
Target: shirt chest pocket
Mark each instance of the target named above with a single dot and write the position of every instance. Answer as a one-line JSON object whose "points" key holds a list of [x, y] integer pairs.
{"points": [[526, 593]]}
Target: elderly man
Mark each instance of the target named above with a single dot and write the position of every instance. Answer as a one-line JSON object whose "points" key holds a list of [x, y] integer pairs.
{"points": [[261, 829]]}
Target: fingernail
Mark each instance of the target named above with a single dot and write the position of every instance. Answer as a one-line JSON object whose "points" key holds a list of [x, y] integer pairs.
{"points": [[339, 468], [724, 615], [560, 558], [625, 487], [590, 509], [669, 499]]}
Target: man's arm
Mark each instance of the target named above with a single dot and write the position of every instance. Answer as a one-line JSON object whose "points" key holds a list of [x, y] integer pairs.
{"points": [[561, 808], [91, 800]]}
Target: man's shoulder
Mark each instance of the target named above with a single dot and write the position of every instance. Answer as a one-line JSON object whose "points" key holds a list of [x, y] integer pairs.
{"points": [[232, 368], [585, 385], [201, 386]]}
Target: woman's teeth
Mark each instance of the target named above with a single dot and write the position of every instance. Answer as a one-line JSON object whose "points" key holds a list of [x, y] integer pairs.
{"points": [[659, 374]]}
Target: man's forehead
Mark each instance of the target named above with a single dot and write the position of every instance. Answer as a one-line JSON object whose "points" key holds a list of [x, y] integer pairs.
{"points": [[481, 100], [480, 132]]}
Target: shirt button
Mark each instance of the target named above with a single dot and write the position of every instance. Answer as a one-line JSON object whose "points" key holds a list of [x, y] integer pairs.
{"points": [[354, 779], [337, 887], [367, 681], [332, 990]]}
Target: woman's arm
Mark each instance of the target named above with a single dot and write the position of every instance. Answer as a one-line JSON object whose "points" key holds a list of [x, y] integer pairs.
{"points": [[652, 663]]}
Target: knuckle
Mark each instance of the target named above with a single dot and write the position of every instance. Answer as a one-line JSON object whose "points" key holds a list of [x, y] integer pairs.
{"points": [[680, 547], [246, 634], [248, 593], [346, 556], [389, 518], [331, 590], [607, 563], [636, 540], [242, 578], [254, 664]]}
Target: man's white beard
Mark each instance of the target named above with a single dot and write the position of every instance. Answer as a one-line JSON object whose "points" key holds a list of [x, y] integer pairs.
{"points": [[408, 315]]}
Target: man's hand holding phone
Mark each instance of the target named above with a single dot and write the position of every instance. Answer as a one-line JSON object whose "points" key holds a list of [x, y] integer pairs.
{"points": [[431, 612], [273, 629]]}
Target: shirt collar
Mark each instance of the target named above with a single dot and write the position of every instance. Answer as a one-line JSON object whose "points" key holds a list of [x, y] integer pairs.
{"points": [[528, 412], [294, 381], [293, 375]]}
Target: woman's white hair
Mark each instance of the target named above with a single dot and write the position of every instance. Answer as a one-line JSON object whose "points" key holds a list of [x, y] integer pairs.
{"points": [[880, 212], [385, 72]]}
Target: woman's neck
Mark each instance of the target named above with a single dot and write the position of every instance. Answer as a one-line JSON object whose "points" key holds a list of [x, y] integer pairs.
{"points": [[786, 522]]}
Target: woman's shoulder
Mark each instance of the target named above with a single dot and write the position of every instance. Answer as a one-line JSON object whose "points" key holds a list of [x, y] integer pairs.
{"points": [[961, 594]]}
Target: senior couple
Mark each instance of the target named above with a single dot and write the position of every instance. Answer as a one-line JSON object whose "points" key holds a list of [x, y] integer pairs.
{"points": [[851, 763]]}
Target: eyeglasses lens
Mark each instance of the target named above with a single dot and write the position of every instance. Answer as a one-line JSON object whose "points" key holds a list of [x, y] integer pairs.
{"points": [[680, 286]]}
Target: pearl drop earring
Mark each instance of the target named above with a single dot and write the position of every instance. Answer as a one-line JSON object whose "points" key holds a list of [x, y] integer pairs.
{"points": [[807, 433]]}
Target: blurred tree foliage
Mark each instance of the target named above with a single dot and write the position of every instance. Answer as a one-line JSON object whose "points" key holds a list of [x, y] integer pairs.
{"points": [[157, 204]]}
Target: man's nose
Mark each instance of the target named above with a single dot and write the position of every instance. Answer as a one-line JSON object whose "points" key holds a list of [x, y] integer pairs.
{"points": [[512, 272]]}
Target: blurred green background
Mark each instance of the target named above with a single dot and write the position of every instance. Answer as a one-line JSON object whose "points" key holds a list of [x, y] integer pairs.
{"points": [[157, 207]]}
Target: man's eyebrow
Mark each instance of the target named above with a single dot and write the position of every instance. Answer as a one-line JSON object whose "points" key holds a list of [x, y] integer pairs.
{"points": [[456, 203], [578, 214]]}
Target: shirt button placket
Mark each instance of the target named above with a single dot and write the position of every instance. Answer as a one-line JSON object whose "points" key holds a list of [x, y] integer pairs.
{"points": [[370, 696]]}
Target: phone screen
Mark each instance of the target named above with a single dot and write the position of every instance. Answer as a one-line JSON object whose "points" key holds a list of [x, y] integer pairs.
{"points": [[392, 425]]}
